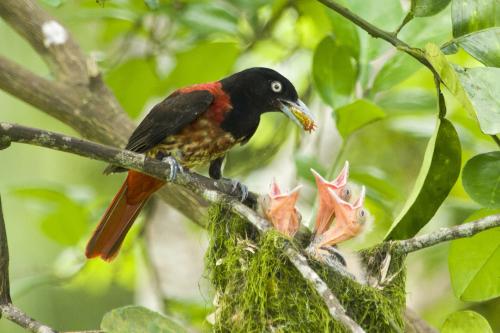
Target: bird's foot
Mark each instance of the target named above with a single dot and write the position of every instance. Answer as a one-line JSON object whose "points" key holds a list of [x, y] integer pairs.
{"points": [[237, 188], [175, 167], [328, 255]]}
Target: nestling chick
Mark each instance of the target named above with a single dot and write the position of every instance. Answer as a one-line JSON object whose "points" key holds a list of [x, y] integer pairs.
{"points": [[326, 213], [279, 208], [335, 205]]}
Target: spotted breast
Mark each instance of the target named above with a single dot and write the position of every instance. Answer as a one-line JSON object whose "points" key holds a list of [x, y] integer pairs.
{"points": [[197, 144]]}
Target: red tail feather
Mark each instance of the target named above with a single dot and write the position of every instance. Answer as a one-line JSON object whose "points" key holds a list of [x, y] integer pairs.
{"points": [[121, 214]]}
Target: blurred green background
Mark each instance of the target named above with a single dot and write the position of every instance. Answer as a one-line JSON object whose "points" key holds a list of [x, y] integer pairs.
{"points": [[146, 49]]}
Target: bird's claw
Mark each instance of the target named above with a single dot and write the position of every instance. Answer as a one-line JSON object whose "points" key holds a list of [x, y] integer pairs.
{"points": [[175, 167], [327, 254], [239, 187]]}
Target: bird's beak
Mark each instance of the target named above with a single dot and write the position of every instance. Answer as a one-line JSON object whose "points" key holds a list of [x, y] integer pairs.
{"points": [[281, 211], [299, 113]]}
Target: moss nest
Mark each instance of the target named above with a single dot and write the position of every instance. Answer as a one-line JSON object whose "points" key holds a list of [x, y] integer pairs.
{"points": [[259, 290]]}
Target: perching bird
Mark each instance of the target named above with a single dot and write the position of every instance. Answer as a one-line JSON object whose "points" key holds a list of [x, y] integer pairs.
{"points": [[193, 126]]}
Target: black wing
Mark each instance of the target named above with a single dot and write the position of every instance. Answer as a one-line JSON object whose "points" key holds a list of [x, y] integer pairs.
{"points": [[166, 118]]}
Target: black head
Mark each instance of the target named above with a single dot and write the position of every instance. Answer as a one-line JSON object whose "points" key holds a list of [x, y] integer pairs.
{"points": [[258, 90]]}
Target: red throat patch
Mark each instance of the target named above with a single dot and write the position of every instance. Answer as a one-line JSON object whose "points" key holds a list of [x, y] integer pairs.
{"points": [[221, 104]]}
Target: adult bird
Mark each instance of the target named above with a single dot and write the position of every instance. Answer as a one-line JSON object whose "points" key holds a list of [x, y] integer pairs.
{"points": [[195, 125]]}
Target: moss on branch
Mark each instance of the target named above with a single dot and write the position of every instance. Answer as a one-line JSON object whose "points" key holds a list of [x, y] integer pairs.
{"points": [[259, 290]]}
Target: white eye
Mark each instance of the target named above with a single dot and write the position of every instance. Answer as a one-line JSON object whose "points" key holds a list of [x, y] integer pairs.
{"points": [[276, 86]]}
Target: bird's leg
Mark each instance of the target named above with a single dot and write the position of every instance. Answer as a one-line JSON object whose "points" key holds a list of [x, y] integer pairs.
{"points": [[175, 167], [215, 169], [215, 172]]}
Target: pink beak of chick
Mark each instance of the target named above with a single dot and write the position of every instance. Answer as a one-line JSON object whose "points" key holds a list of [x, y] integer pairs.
{"points": [[326, 210], [279, 208], [349, 220]]}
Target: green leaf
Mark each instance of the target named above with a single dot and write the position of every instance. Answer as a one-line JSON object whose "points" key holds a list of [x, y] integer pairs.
{"points": [[407, 100], [334, 72], [466, 322], [133, 83], [210, 17], [473, 263], [481, 179], [202, 63], [304, 163], [137, 319], [483, 90], [472, 15], [421, 8], [387, 19], [63, 219], [438, 174], [356, 115], [476, 89], [152, 4], [484, 45], [394, 71], [448, 75], [345, 33], [372, 179]]}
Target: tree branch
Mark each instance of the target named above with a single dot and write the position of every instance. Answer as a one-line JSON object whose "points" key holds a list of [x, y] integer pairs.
{"points": [[78, 97], [48, 37], [4, 262], [15, 315], [7, 309], [376, 32], [446, 234], [336, 309], [42, 93], [209, 189]]}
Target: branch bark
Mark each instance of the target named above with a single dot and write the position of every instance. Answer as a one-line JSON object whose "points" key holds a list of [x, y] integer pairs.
{"points": [[209, 189], [446, 234], [336, 309], [218, 191], [4, 262], [77, 96], [62, 55]]}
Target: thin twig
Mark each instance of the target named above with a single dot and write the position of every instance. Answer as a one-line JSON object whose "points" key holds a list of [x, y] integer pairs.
{"points": [[130, 160], [209, 189], [376, 32], [7, 309], [77, 95], [496, 139], [15, 315], [406, 20], [446, 234], [49, 38], [4, 262]]}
